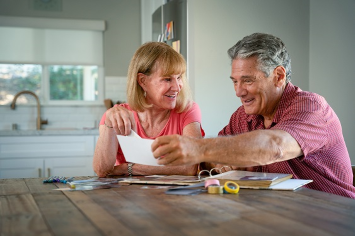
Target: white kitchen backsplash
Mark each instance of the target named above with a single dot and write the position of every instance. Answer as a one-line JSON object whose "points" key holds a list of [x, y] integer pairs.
{"points": [[59, 117], [63, 117], [115, 88]]}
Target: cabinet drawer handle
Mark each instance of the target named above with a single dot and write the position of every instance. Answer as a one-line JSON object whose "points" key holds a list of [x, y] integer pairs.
{"points": [[39, 172]]}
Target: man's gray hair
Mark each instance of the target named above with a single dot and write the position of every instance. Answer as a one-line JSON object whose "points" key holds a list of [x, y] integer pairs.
{"points": [[270, 51]]}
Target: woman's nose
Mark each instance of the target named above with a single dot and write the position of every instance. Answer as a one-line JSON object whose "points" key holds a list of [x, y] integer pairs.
{"points": [[176, 84]]}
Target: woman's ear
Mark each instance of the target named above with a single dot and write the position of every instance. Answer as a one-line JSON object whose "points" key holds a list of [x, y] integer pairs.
{"points": [[141, 79]]}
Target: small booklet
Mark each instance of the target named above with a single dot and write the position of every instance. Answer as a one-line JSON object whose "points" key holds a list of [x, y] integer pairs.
{"points": [[162, 180], [94, 183], [251, 179]]}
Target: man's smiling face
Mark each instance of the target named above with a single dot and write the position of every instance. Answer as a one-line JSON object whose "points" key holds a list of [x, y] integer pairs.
{"points": [[258, 93]]}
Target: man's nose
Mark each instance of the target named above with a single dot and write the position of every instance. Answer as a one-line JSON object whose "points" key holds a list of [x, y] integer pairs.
{"points": [[239, 90]]}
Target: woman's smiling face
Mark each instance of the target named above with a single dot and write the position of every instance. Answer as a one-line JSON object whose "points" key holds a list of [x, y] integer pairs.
{"points": [[161, 90]]}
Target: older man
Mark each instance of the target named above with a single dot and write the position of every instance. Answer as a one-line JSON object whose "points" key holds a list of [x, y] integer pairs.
{"points": [[278, 129]]}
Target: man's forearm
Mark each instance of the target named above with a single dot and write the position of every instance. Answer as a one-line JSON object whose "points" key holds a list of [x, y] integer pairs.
{"points": [[254, 148]]}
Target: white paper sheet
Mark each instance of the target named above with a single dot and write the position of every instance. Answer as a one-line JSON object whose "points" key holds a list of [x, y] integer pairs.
{"points": [[136, 149], [133, 134], [289, 184]]}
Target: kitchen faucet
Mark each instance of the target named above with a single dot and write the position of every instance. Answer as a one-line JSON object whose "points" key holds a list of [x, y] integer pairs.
{"points": [[39, 121]]}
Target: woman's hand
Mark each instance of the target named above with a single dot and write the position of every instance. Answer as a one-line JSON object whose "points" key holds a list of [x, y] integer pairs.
{"points": [[121, 119]]}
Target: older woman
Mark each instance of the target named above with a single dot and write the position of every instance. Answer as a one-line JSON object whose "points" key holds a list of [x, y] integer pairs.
{"points": [[158, 103]]}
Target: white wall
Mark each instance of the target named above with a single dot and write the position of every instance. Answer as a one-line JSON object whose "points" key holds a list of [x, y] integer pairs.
{"points": [[332, 63], [215, 26], [147, 9]]}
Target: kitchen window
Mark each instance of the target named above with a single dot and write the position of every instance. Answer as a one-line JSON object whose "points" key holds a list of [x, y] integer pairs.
{"points": [[53, 84], [60, 60]]}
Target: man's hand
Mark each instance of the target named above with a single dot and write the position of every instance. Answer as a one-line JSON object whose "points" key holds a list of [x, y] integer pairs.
{"points": [[176, 150]]}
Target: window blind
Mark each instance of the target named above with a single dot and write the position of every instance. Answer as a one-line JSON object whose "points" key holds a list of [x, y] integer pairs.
{"points": [[36, 41]]}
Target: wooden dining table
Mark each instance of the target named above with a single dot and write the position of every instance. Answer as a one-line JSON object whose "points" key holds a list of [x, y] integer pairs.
{"points": [[31, 207]]}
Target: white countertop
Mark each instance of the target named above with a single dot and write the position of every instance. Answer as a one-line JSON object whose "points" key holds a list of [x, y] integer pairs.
{"points": [[49, 132]]}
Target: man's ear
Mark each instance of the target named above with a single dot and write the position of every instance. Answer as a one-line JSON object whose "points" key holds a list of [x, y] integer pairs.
{"points": [[280, 76], [141, 79]]}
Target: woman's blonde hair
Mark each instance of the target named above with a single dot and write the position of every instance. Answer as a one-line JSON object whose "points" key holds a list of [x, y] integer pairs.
{"points": [[146, 60]]}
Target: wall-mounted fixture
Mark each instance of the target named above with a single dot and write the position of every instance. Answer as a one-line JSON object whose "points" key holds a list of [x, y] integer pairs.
{"points": [[39, 120]]}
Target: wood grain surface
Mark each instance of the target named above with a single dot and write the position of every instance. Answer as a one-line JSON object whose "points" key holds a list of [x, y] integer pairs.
{"points": [[29, 207]]}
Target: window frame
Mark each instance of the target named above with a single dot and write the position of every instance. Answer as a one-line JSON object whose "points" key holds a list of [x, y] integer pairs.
{"points": [[45, 94], [49, 24]]}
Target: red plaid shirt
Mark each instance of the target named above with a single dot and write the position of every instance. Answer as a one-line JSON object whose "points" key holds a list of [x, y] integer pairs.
{"points": [[317, 129]]}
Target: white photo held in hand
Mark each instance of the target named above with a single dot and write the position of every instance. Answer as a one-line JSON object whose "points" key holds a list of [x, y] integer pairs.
{"points": [[136, 149]]}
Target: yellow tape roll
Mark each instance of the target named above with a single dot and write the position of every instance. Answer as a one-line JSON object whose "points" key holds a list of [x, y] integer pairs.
{"points": [[215, 189], [231, 187]]}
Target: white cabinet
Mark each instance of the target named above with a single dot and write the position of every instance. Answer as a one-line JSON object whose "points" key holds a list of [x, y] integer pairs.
{"points": [[44, 156]]}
